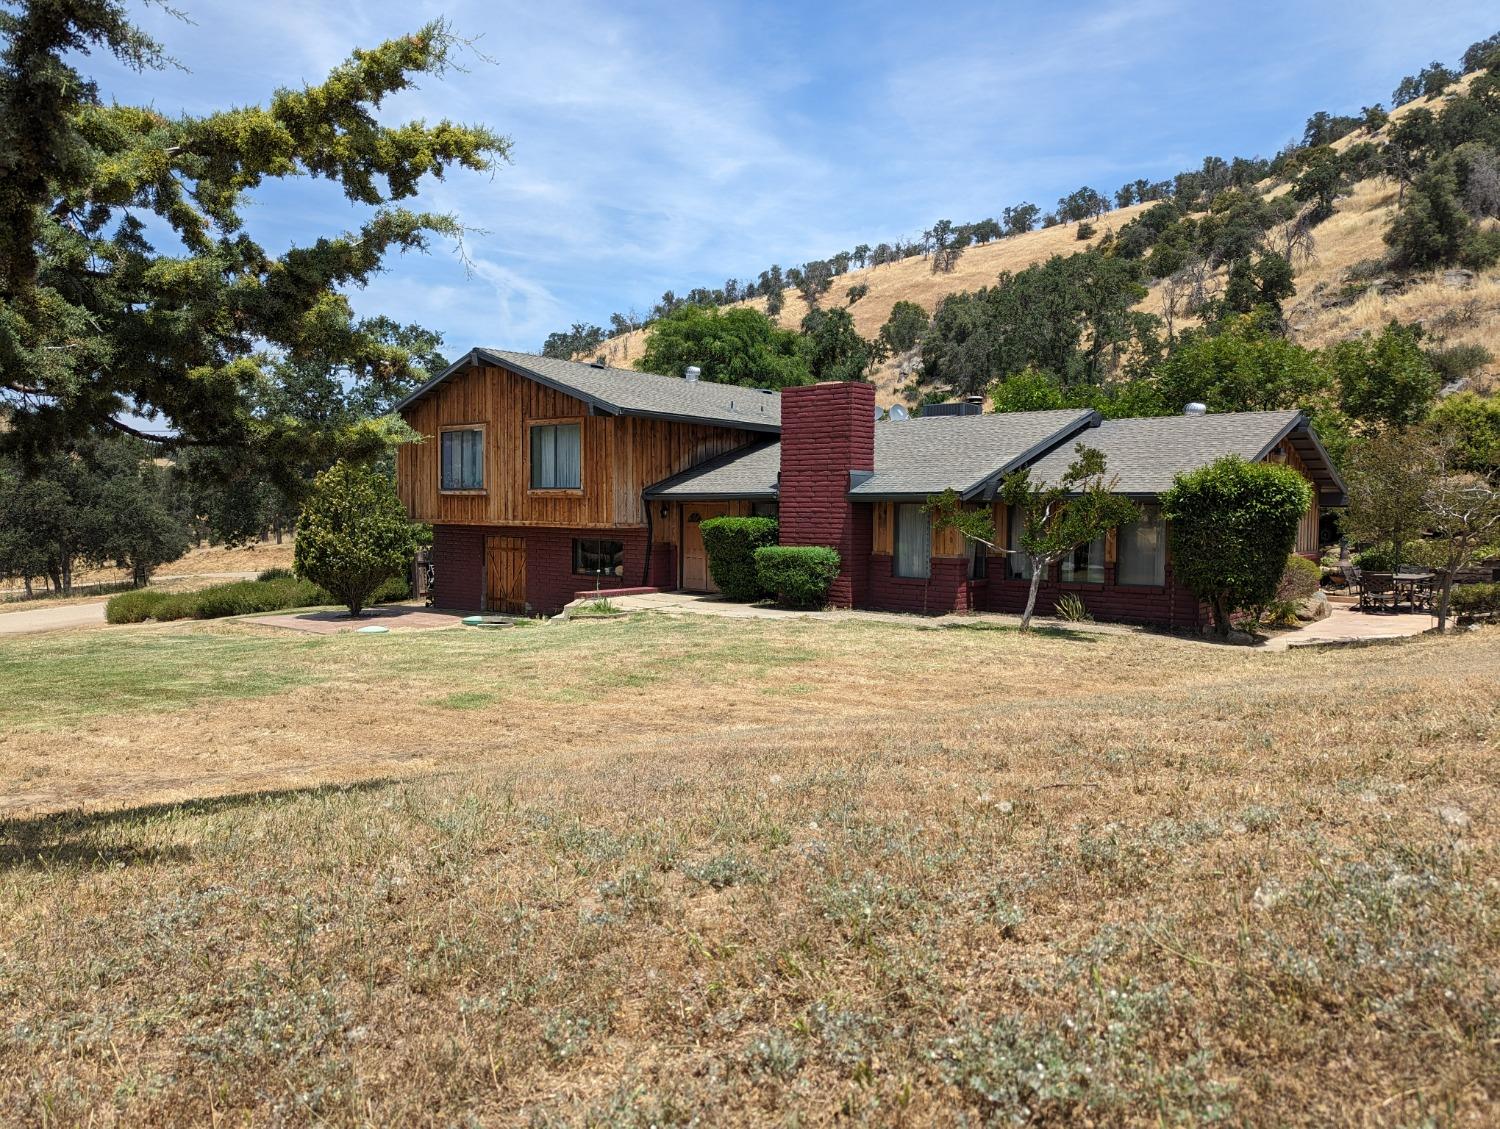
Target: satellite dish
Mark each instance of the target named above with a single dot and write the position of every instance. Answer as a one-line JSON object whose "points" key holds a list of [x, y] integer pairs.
{"points": [[898, 413]]}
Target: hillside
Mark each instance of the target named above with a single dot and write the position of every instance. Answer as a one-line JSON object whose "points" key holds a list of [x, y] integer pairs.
{"points": [[1456, 307]]}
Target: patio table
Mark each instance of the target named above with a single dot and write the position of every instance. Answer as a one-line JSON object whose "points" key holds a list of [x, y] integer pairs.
{"points": [[1413, 587]]}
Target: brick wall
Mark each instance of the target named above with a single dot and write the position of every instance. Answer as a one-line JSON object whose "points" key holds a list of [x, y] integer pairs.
{"points": [[948, 589], [1168, 605], [458, 556], [458, 561], [827, 430]]}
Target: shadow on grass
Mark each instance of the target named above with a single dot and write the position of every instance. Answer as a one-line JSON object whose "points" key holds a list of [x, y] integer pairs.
{"points": [[68, 838]]}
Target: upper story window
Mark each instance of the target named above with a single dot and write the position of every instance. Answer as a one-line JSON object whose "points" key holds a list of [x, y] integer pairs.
{"points": [[462, 458], [913, 542], [556, 456], [1142, 548], [1085, 564]]}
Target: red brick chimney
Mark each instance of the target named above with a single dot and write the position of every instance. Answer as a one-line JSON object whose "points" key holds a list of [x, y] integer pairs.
{"points": [[828, 430]]}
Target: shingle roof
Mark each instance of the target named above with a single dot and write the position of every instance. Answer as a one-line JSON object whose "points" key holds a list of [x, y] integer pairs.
{"points": [[747, 472], [913, 458], [930, 454], [1145, 454], [617, 391]]}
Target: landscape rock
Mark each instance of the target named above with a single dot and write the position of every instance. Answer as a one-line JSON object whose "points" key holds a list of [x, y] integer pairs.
{"points": [[1240, 639], [1458, 278], [1314, 608], [1453, 815]]}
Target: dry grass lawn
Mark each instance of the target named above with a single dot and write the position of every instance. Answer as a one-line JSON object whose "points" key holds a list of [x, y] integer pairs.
{"points": [[675, 871]]}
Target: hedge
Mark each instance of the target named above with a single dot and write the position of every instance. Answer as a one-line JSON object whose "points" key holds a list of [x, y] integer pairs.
{"points": [[799, 575], [242, 597], [731, 543], [1475, 600]]}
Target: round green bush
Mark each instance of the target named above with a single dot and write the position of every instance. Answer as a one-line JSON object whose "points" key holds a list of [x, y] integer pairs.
{"points": [[799, 575], [276, 574], [731, 543], [353, 534]]}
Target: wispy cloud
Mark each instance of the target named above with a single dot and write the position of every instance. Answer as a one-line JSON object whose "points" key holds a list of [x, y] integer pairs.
{"points": [[658, 146]]}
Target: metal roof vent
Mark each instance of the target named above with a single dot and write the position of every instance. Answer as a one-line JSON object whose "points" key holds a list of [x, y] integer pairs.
{"points": [[692, 373], [1195, 409]]}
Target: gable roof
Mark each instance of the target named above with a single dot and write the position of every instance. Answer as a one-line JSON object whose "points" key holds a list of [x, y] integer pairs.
{"points": [[930, 454], [746, 472], [913, 458], [624, 392], [1146, 454]]}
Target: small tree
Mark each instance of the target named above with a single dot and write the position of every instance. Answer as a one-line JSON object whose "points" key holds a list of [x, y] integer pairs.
{"points": [[1463, 510], [1232, 525], [1055, 518], [353, 534], [1388, 476]]}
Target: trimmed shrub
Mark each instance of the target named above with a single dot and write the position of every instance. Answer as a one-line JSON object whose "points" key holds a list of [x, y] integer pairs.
{"points": [[799, 575], [242, 597], [276, 574], [731, 543], [248, 597], [1232, 525], [1473, 601], [133, 607], [1299, 580], [393, 591]]}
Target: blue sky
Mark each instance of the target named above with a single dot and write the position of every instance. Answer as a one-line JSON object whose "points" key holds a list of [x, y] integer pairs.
{"points": [[671, 146]]}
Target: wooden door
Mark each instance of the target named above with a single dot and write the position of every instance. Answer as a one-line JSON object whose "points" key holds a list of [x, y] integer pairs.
{"points": [[695, 574], [505, 575]]}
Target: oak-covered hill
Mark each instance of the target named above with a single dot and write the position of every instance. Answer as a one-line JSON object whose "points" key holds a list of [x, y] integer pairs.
{"points": [[1344, 284]]}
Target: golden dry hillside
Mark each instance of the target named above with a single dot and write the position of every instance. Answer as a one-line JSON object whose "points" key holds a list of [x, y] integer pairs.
{"points": [[1456, 307]]}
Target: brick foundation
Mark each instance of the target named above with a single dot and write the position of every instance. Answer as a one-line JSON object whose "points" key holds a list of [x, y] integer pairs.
{"points": [[948, 589], [459, 551], [1167, 605]]}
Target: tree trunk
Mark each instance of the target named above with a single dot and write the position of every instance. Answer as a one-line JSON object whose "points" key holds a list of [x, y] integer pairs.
{"points": [[1037, 572], [1445, 580], [27, 582], [67, 575], [1222, 621]]}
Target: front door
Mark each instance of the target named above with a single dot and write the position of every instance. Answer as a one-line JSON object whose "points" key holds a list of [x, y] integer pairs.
{"points": [[695, 574], [505, 575]]}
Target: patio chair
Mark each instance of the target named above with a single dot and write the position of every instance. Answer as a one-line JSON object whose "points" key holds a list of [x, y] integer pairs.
{"points": [[1376, 591]]}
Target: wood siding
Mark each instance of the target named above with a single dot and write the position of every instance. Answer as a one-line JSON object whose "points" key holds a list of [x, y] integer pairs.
{"points": [[621, 455], [1307, 529]]}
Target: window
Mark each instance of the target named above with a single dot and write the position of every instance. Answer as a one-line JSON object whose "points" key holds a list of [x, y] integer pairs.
{"points": [[555, 457], [1017, 565], [598, 558], [462, 459], [1143, 549], [979, 561], [913, 542], [1085, 564]]}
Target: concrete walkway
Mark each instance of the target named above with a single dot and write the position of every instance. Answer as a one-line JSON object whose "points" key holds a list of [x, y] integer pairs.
{"points": [[1346, 625], [393, 617]]}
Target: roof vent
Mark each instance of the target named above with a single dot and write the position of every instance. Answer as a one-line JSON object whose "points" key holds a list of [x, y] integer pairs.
{"points": [[692, 373], [974, 400], [598, 362], [1195, 409]]}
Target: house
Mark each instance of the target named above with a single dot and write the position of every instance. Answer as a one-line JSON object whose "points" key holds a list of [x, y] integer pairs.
{"points": [[543, 478]]}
